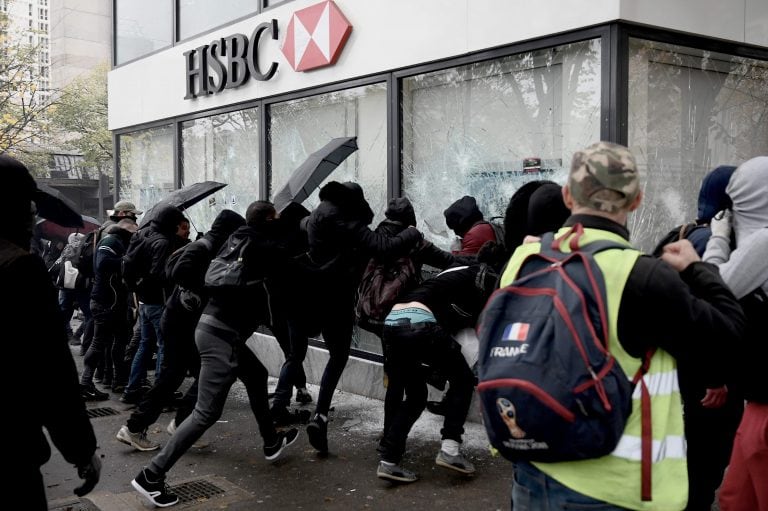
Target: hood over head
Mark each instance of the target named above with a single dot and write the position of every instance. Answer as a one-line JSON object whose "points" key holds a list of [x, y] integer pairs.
{"points": [[167, 219], [462, 214], [17, 193], [516, 214], [712, 196], [546, 209], [225, 223], [748, 189], [349, 198], [401, 210]]}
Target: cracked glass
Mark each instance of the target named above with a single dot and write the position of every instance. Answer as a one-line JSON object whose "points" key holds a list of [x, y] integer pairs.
{"points": [[486, 128], [690, 111], [223, 148], [146, 166]]}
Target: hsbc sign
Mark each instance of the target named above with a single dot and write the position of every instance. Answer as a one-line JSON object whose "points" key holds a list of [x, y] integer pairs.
{"points": [[314, 38]]}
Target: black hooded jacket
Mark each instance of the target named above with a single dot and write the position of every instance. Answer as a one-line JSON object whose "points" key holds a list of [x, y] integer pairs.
{"points": [[186, 268], [158, 241], [339, 238]]}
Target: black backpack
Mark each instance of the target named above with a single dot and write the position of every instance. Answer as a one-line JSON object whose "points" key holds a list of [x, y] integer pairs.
{"points": [[84, 259], [550, 389], [497, 224], [137, 261], [380, 287]]}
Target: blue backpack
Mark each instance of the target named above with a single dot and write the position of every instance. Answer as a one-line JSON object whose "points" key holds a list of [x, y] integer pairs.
{"points": [[550, 389]]}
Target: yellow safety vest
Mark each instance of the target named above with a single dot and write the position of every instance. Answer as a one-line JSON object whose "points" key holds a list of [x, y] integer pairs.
{"points": [[616, 478]]}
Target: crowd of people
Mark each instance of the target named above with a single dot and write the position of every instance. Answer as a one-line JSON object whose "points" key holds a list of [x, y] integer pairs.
{"points": [[703, 289]]}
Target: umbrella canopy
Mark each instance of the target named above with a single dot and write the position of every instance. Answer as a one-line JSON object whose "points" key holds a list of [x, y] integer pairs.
{"points": [[54, 205], [314, 170], [50, 230], [183, 198]]}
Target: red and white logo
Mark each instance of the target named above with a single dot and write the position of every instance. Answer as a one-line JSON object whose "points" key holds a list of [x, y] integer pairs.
{"points": [[315, 36]]}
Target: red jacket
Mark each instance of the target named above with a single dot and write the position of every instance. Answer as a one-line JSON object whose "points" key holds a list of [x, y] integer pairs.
{"points": [[475, 238]]}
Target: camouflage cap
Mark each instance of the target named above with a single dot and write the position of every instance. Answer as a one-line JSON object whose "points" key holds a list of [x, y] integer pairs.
{"points": [[604, 177]]}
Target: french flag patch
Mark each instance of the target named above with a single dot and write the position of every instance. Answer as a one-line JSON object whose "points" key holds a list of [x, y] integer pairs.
{"points": [[516, 332]]}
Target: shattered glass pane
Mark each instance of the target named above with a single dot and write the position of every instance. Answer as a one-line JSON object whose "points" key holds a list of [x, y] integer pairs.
{"points": [[300, 127], [223, 148], [468, 130], [690, 111], [146, 166]]}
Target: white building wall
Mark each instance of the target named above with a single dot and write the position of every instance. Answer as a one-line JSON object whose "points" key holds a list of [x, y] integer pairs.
{"points": [[390, 34]]}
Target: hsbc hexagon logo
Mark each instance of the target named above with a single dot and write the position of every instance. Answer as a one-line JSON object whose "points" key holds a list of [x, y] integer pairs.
{"points": [[315, 36]]}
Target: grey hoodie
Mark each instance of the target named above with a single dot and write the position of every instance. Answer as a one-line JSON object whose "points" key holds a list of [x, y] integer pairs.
{"points": [[747, 266]]}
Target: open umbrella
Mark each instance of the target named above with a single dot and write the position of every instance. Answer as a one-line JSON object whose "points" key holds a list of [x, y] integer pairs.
{"points": [[183, 198], [54, 205], [51, 230], [318, 166]]}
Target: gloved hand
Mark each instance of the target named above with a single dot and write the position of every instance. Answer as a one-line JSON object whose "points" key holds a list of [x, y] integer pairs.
{"points": [[721, 224], [90, 473]]}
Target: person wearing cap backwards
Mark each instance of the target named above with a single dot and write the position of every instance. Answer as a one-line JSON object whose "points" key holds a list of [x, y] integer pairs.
{"points": [[52, 400], [675, 307]]}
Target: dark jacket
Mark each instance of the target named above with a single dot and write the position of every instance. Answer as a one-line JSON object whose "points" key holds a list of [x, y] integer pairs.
{"points": [[456, 296], [466, 220], [266, 259], [109, 290], [340, 240], [690, 314], [187, 271], [29, 299], [158, 241]]}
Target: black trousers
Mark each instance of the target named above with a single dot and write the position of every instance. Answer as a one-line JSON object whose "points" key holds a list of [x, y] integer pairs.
{"points": [[336, 326], [414, 352], [111, 333], [293, 340], [180, 356]]}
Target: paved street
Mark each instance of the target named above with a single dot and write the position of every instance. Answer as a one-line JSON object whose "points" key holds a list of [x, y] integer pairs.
{"points": [[232, 461]]}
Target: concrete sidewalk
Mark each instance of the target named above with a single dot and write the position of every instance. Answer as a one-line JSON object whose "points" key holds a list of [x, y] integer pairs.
{"points": [[231, 467]]}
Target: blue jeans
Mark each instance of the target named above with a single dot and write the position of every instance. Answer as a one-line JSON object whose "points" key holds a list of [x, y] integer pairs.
{"points": [[149, 316], [533, 490]]}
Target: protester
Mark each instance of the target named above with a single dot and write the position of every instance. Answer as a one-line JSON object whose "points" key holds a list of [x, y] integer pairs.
{"points": [[745, 270], [712, 407], [340, 243], [109, 302], [417, 339], [28, 298], [687, 296], [466, 220], [180, 316], [144, 271], [228, 320]]}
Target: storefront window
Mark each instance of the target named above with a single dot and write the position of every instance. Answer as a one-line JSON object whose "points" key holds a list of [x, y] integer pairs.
{"points": [[196, 16], [223, 148], [146, 166], [303, 126], [487, 128], [689, 111], [142, 26]]}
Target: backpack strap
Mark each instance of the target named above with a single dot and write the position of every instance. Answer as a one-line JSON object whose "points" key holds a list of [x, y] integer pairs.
{"points": [[646, 433]]}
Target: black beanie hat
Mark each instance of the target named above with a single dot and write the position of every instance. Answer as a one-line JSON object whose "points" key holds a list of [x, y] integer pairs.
{"points": [[401, 210]]}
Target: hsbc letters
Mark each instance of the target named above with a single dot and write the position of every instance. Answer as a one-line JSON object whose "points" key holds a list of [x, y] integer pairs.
{"points": [[227, 63]]}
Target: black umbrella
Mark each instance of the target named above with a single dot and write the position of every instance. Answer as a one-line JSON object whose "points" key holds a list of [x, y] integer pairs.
{"points": [[318, 166], [54, 205], [183, 198]]}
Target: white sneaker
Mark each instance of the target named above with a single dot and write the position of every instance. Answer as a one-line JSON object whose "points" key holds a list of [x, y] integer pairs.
{"points": [[136, 440]]}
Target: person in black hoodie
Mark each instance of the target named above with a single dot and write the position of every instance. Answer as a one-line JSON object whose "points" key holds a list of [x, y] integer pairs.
{"points": [[28, 298], [228, 320], [186, 269], [340, 243], [144, 270]]}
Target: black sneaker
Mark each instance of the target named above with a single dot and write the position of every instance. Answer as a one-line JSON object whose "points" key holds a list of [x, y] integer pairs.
{"points": [[284, 439], [90, 393], [282, 416], [303, 396], [317, 431], [396, 473], [157, 492]]}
